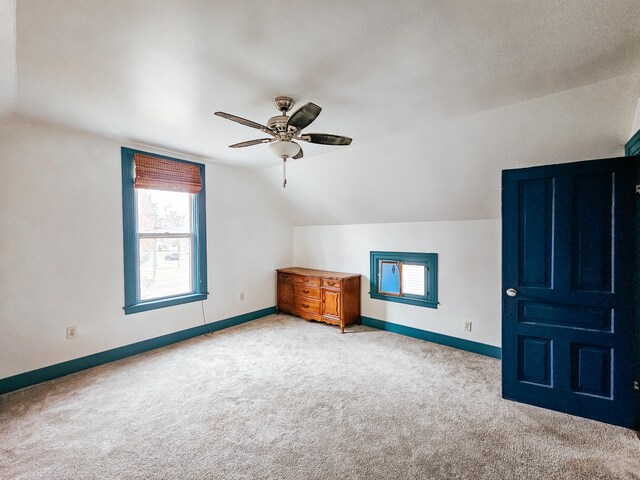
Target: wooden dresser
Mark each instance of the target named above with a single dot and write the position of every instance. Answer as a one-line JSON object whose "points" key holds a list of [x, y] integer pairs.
{"points": [[329, 297]]}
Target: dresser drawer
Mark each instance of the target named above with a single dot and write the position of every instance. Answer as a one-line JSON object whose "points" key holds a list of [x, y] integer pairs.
{"points": [[310, 281], [306, 291], [307, 315], [306, 305], [330, 283]]}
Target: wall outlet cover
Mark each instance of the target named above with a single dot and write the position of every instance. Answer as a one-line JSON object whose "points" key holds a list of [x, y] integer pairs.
{"points": [[72, 332]]}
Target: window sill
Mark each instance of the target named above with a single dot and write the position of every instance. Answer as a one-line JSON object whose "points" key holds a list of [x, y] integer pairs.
{"points": [[411, 301], [164, 302]]}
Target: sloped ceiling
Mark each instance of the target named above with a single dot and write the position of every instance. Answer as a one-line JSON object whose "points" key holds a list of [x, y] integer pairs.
{"points": [[451, 170], [7, 57], [155, 71], [435, 94]]}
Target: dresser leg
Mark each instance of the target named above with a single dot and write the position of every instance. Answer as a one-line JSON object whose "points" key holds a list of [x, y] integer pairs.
{"points": [[341, 328]]}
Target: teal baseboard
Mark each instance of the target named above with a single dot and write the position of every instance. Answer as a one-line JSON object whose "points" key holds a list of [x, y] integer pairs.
{"points": [[460, 343], [71, 366]]}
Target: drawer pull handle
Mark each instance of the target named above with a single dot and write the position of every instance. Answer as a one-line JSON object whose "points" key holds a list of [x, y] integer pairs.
{"points": [[305, 306], [305, 291]]}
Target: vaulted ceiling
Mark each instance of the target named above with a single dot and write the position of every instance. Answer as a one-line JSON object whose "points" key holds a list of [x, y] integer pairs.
{"points": [[404, 79]]}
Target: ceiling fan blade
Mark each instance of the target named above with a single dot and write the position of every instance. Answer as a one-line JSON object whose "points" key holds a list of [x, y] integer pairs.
{"points": [[244, 121], [298, 155], [248, 143], [326, 139], [304, 115]]}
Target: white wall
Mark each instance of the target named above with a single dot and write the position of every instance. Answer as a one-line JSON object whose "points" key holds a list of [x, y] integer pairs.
{"points": [[468, 270], [61, 248], [8, 73]]}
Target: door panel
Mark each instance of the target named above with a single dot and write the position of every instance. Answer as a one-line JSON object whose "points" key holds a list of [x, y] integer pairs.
{"points": [[568, 333], [534, 243], [591, 232], [570, 316], [591, 371], [535, 366]]}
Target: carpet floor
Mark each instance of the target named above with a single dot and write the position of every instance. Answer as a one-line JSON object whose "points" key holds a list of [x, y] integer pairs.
{"points": [[281, 398]]}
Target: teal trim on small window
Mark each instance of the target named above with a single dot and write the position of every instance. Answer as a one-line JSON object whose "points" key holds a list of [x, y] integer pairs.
{"points": [[133, 303], [632, 147], [430, 262]]}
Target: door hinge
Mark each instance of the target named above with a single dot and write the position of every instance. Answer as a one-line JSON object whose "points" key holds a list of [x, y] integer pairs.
{"points": [[636, 385], [637, 188]]}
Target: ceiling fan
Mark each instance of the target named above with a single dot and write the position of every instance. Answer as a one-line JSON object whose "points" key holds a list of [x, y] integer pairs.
{"points": [[283, 130]]}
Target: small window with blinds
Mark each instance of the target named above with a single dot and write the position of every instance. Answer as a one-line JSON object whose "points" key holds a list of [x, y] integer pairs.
{"points": [[405, 277], [164, 231], [414, 279]]}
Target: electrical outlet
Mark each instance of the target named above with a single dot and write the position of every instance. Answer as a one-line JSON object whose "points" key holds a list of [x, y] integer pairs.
{"points": [[241, 295], [467, 326], [72, 332]]}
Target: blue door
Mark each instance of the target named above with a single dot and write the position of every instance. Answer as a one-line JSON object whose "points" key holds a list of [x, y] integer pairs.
{"points": [[568, 277]]}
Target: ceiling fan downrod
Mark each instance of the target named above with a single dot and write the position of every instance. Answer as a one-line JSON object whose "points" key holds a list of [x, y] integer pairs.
{"points": [[284, 171]]}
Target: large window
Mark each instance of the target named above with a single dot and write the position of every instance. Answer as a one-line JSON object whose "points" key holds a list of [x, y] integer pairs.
{"points": [[405, 277], [164, 231]]}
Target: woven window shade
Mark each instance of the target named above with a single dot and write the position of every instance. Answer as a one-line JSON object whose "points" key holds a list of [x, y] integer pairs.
{"points": [[160, 174]]}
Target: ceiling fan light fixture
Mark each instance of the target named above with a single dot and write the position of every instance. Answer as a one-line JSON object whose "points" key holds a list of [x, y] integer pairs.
{"points": [[284, 148]]}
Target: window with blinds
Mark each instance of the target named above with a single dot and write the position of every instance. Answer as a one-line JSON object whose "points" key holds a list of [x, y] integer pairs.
{"points": [[164, 231], [413, 279], [404, 277]]}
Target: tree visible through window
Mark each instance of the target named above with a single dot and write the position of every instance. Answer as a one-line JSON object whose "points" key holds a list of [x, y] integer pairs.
{"points": [[165, 240]]}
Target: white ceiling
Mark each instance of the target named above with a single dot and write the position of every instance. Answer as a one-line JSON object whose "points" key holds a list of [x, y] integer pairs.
{"points": [[438, 96], [154, 71]]}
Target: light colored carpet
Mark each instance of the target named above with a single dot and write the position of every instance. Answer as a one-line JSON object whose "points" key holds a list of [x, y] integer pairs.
{"points": [[283, 398]]}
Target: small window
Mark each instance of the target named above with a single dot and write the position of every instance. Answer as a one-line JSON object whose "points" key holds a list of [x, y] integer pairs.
{"points": [[405, 277], [164, 231]]}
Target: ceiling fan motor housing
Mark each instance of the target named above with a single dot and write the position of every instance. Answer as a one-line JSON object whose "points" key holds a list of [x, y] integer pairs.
{"points": [[279, 124]]}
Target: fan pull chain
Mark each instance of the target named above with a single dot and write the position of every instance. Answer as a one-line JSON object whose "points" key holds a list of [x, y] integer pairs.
{"points": [[284, 172]]}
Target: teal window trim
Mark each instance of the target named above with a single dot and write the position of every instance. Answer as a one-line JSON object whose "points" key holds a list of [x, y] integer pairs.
{"points": [[632, 147], [133, 304], [429, 260]]}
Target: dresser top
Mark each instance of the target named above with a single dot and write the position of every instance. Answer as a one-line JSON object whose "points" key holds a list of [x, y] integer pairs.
{"points": [[310, 272]]}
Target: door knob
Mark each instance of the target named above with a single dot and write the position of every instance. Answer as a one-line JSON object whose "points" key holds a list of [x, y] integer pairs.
{"points": [[511, 292]]}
